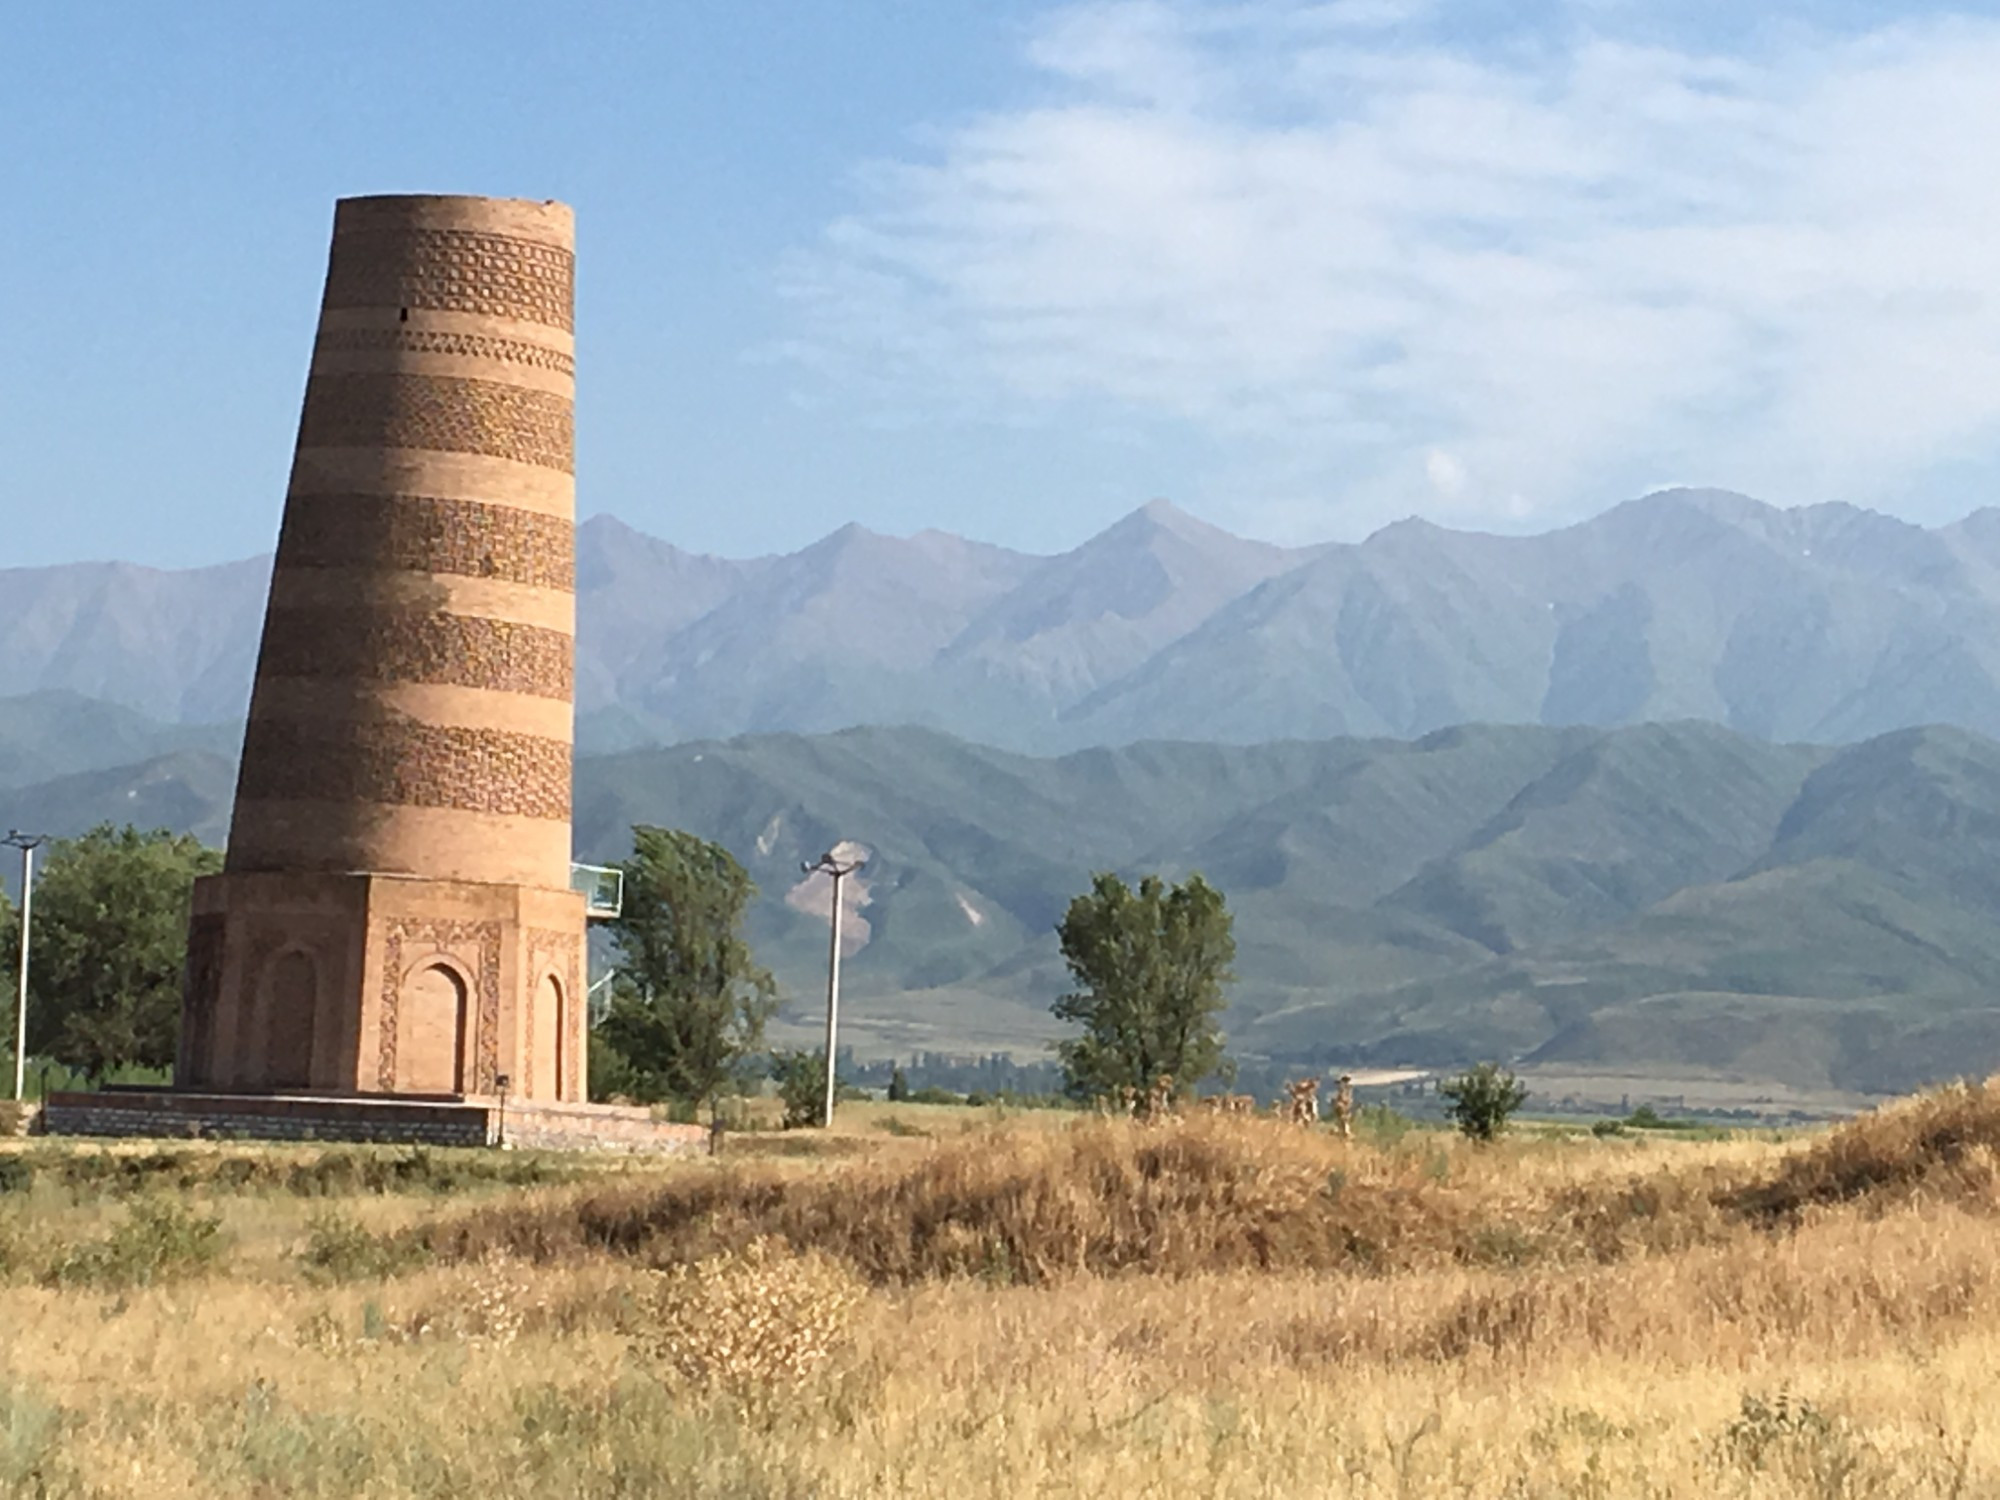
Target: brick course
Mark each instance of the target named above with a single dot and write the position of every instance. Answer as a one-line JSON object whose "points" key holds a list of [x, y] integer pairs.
{"points": [[452, 270], [434, 341], [444, 413], [405, 763], [425, 534], [377, 643]]}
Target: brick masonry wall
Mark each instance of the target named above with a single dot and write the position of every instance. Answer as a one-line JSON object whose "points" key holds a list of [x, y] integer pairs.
{"points": [[426, 534], [407, 764], [598, 1127], [223, 1117], [527, 1127]]}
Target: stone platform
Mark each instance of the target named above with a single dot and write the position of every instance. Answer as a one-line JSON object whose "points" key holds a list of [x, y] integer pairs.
{"points": [[441, 1120]]}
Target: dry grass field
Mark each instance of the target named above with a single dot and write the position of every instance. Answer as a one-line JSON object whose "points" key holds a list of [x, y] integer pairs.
{"points": [[943, 1303]]}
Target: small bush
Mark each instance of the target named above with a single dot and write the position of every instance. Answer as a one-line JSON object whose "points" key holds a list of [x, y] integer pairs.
{"points": [[932, 1094], [1382, 1124], [752, 1319], [159, 1241], [1482, 1099], [17, 1174], [1790, 1437], [338, 1249]]}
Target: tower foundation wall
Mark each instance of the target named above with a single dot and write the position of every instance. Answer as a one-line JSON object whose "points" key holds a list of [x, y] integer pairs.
{"points": [[383, 984]]}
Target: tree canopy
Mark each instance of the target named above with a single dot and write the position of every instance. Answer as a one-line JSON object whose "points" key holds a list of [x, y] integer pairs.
{"points": [[689, 1000], [1150, 967], [109, 942]]}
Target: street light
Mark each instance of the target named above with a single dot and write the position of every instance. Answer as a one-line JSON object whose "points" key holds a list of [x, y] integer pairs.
{"points": [[27, 843], [841, 861]]}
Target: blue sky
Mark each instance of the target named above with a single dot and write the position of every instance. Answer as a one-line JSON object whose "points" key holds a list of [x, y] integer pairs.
{"points": [[1013, 269]]}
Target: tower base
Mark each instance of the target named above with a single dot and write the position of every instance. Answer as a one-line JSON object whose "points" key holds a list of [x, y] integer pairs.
{"points": [[163, 1114], [337, 984]]}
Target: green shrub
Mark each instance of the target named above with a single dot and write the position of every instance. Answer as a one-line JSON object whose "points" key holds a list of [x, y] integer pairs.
{"points": [[932, 1094], [1382, 1124], [801, 1080], [17, 1174], [160, 1240], [339, 1249], [1482, 1098]]}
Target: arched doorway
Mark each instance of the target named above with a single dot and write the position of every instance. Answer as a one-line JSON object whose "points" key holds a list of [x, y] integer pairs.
{"points": [[549, 1033], [291, 1011], [430, 1032]]}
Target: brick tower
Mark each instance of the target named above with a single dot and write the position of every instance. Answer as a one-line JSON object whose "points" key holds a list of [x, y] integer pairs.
{"points": [[394, 915]]}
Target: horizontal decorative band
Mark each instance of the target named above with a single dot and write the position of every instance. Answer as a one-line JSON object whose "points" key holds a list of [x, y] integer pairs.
{"points": [[427, 534], [444, 413], [432, 341], [416, 645], [404, 763], [453, 270]]}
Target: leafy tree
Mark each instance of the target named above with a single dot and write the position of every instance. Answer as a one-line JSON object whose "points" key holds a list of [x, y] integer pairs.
{"points": [[801, 1080], [1482, 1098], [1150, 966], [690, 1000], [109, 943], [899, 1086]]}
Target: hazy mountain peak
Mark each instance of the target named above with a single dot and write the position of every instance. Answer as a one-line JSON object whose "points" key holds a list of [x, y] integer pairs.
{"points": [[1816, 622]]}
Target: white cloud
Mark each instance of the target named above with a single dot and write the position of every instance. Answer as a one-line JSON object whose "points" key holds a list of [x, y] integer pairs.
{"points": [[1378, 270], [1446, 474]]}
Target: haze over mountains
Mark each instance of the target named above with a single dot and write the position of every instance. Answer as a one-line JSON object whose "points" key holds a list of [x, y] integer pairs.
{"points": [[1679, 899], [1825, 624], [1665, 790]]}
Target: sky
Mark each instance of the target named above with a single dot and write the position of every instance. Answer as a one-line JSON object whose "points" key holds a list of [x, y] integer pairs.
{"points": [[1014, 269]]}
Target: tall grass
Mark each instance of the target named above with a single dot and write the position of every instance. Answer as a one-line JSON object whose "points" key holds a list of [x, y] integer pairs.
{"points": [[1098, 1309]]}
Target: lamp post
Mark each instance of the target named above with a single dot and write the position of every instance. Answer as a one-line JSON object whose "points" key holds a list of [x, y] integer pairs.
{"points": [[831, 864], [27, 843]]}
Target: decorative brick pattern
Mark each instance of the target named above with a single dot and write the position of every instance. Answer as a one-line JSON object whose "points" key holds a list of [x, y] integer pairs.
{"points": [[441, 413], [407, 764], [430, 939], [401, 340], [201, 994], [453, 270], [413, 645], [426, 534], [557, 951]]}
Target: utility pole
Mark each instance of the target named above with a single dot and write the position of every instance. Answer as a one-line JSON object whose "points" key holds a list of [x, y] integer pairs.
{"points": [[839, 869], [27, 843]]}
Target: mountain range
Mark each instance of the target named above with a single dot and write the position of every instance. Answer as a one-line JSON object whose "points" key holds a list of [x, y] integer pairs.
{"points": [[1825, 624], [1679, 898]]}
